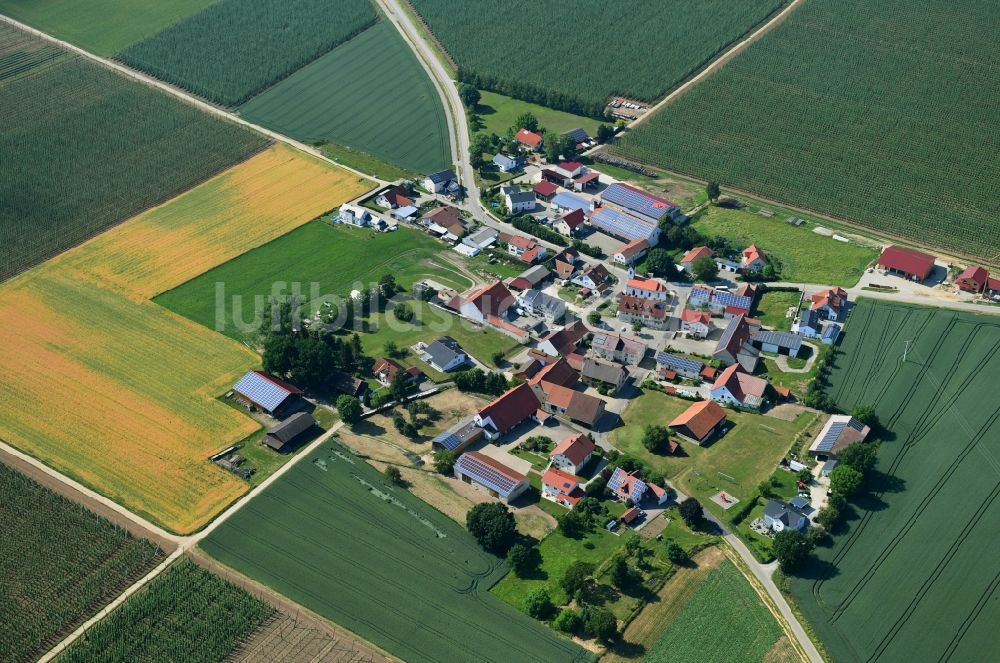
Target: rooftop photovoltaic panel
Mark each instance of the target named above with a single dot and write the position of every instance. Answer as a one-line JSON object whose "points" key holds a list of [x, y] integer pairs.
{"points": [[447, 440], [643, 203], [617, 479], [679, 363], [831, 437], [732, 299], [579, 135], [486, 475], [261, 391], [622, 225], [831, 332]]}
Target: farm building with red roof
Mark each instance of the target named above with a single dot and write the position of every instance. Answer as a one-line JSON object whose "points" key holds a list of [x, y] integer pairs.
{"points": [[507, 411], [491, 475], [545, 190], [700, 422], [572, 453], [973, 279], [493, 299], [528, 139], [909, 263]]}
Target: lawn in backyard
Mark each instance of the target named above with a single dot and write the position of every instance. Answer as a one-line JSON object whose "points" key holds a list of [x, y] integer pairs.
{"points": [[772, 308], [398, 119], [499, 112], [908, 576], [736, 463], [801, 256], [339, 259], [333, 535], [103, 27]]}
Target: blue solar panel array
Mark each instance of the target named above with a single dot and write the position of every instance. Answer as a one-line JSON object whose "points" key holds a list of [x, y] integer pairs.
{"points": [[486, 475], [447, 440], [579, 135], [831, 333], [644, 204], [622, 225], [732, 299], [680, 364], [617, 480], [261, 391]]}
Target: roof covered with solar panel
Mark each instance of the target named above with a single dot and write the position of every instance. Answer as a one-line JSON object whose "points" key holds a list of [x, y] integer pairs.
{"points": [[640, 202]]}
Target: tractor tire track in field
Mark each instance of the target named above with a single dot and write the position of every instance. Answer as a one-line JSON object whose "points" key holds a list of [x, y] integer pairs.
{"points": [[970, 619]]}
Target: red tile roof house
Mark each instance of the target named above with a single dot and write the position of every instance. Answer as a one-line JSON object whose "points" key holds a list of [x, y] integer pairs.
{"points": [[529, 139], [632, 252], [630, 486], [558, 372], [753, 259], [570, 404], [569, 223], [831, 303], [507, 411], [700, 422], [687, 261], [448, 218], [385, 371], [908, 263], [491, 300], [572, 453], [491, 475], [973, 279], [696, 323], [563, 341], [561, 488], [737, 387], [649, 313], [394, 197], [993, 287]]}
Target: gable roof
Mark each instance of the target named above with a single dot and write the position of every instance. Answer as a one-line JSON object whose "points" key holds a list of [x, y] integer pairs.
{"points": [[701, 418], [697, 252], [736, 334], [545, 188], [752, 253], [785, 513], [620, 224], [745, 388], [627, 485], [505, 161], [529, 138], [637, 200], [634, 247], [905, 260], [445, 216], [266, 391], [398, 195], [575, 448], [605, 371], [690, 315], [564, 340], [489, 472], [444, 350], [791, 342], [573, 219], [650, 284], [832, 297], [563, 482], [511, 408], [570, 201], [569, 166], [291, 427], [492, 299], [558, 372], [647, 308], [676, 362], [974, 273], [598, 273], [839, 432], [577, 405], [441, 176]]}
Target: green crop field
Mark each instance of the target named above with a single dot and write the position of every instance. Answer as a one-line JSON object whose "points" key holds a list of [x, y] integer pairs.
{"points": [[911, 575], [724, 621], [877, 112], [576, 60], [801, 255], [60, 563], [85, 148], [370, 94], [338, 259], [103, 27], [333, 535], [235, 49], [184, 614]]}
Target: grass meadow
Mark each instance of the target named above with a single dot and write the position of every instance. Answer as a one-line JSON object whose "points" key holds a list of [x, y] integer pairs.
{"points": [[369, 94], [60, 563], [340, 259], [334, 536], [118, 392], [772, 308], [746, 455], [103, 27], [498, 114], [86, 148], [642, 50], [235, 49], [908, 575], [724, 621], [874, 112], [803, 256]]}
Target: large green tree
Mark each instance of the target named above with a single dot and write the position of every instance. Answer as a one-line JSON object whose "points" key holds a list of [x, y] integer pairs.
{"points": [[791, 547], [493, 526]]}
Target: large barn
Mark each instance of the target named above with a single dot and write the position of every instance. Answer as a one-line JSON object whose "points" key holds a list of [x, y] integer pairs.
{"points": [[908, 263]]}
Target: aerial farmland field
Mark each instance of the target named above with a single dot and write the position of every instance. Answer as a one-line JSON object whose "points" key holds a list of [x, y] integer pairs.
{"points": [[638, 49], [85, 148], [370, 94], [910, 577], [234, 49], [313, 254], [332, 535], [59, 563], [878, 113], [103, 27], [184, 614], [116, 391]]}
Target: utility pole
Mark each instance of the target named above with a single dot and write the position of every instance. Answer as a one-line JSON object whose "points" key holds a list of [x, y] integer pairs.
{"points": [[906, 349]]}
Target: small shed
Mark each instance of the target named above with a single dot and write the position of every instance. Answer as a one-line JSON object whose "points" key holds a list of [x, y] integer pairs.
{"points": [[281, 436]]}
